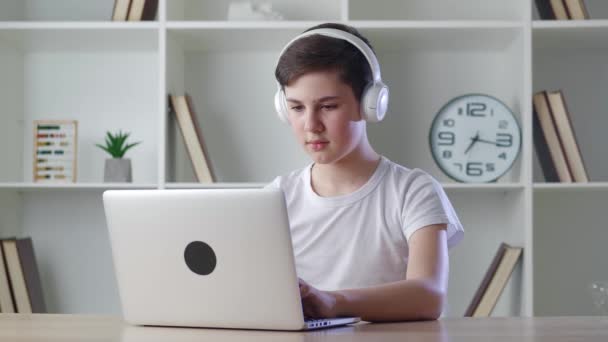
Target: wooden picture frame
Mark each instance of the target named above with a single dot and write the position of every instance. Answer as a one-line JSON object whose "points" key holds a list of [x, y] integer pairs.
{"points": [[55, 151]]}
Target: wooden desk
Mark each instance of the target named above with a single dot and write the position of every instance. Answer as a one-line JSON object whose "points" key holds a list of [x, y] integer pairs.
{"points": [[29, 328]]}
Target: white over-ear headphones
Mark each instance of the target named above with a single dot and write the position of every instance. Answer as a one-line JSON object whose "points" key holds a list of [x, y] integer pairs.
{"points": [[374, 99]]}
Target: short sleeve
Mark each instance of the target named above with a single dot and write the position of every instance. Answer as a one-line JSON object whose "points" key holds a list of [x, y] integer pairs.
{"points": [[426, 203]]}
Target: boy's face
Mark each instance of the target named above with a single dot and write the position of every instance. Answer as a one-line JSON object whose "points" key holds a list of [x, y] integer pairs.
{"points": [[324, 115]]}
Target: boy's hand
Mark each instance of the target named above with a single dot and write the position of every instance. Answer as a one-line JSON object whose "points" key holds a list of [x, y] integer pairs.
{"points": [[317, 303]]}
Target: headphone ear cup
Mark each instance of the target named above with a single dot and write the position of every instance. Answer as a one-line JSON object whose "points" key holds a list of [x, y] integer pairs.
{"points": [[280, 106], [374, 102]]}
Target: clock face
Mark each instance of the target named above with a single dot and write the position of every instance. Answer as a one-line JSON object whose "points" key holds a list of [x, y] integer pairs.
{"points": [[475, 138]]}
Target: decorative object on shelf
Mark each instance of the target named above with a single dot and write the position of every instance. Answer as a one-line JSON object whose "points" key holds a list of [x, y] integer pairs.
{"points": [[183, 108], [475, 138], [55, 151], [494, 281], [554, 139], [252, 11], [117, 168]]}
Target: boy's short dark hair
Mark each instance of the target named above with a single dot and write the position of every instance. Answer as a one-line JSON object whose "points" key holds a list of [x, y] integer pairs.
{"points": [[322, 53]]}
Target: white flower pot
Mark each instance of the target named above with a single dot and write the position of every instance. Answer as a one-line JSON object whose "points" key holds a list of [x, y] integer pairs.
{"points": [[117, 170]]}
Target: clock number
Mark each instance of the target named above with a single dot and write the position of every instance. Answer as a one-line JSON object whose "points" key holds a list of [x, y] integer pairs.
{"points": [[503, 124], [449, 122], [490, 167], [476, 109], [446, 138], [447, 154], [459, 166], [474, 169], [503, 156], [504, 140]]}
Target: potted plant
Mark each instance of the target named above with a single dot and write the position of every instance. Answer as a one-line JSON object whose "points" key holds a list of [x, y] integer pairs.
{"points": [[117, 168]]}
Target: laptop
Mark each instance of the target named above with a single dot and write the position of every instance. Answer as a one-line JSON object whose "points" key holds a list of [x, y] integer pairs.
{"points": [[216, 258]]}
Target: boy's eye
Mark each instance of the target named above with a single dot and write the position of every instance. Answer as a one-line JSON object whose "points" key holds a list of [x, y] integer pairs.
{"points": [[329, 106], [297, 108]]}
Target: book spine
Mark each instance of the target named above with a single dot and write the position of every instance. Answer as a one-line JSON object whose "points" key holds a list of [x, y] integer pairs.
{"points": [[545, 12], [27, 258]]}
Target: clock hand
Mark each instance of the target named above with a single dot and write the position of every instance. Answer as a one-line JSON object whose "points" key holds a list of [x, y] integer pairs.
{"points": [[473, 141], [487, 142]]}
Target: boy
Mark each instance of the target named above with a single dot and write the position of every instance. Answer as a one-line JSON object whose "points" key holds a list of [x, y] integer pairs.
{"points": [[370, 237]]}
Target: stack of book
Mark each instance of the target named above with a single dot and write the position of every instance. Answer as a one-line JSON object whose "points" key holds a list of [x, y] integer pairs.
{"points": [[20, 287], [562, 9], [554, 139], [134, 10]]}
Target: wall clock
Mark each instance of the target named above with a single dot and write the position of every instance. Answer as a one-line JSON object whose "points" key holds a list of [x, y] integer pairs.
{"points": [[475, 138]]}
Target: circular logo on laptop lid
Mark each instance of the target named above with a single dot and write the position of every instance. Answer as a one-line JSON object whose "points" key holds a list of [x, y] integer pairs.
{"points": [[200, 258]]}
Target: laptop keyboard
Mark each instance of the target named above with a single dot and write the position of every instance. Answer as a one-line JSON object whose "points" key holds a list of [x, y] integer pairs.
{"points": [[314, 323]]}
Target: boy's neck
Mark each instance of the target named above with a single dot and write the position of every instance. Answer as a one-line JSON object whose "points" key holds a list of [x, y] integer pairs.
{"points": [[345, 176]]}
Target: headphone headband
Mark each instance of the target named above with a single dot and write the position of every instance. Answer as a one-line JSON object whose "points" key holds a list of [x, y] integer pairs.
{"points": [[351, 38]]}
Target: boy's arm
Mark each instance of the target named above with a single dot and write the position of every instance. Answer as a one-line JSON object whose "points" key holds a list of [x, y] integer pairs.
{"points": [[421, 296]]}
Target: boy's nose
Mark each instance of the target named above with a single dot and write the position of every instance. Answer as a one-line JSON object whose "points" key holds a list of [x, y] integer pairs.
{"points": [[312, 123]]}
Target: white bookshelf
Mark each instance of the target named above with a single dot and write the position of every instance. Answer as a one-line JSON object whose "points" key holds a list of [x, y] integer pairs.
{"points": [[66, 61]]}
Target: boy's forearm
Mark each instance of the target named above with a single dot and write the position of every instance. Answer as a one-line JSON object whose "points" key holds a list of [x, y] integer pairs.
{"points": [[399, 301]]}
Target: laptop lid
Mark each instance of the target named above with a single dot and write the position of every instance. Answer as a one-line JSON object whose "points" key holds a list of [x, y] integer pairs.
{"points": [[204, 258]]}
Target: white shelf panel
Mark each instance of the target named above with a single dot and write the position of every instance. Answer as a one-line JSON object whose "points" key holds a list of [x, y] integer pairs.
{"points": [[570, 34], [77, 25], [290, 10], [234, 185], [566, 187], [85, 38], [73, 186], [486, 187], [388, 36], [436, 9]]}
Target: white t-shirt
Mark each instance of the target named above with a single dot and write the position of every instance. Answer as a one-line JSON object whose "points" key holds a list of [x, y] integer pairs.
{"points": [[360, 239]]}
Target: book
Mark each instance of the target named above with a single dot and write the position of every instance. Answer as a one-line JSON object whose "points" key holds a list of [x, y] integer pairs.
{"points": [[6, 296], [143, 10], [545, 12], [563, 124], [121, 10], [559, 9], [24, 275], [547, 143], [494, 281], [576, 9], [183, 109]]}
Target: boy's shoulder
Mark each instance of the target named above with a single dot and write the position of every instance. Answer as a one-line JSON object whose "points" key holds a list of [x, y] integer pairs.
{"points": [[289, 180], [408, 176]]}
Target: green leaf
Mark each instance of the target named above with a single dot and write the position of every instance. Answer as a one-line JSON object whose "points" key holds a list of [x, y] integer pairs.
{"points": [[116, 144]]}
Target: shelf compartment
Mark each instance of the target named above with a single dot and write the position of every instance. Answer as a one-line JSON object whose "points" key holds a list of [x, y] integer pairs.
{"points": [[104, 78], [570, 35], [218, 64], [488, 218], [56, 10], [217, 10], [582, 75], [570, 238], [436, 10]]}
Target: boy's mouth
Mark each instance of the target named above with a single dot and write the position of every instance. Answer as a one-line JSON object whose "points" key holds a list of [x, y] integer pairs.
{"points": [[317, 145]]}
